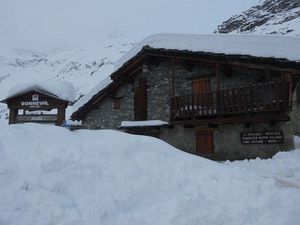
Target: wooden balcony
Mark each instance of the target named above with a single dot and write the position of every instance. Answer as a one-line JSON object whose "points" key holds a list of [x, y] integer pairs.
{"points": [[256, 98]]}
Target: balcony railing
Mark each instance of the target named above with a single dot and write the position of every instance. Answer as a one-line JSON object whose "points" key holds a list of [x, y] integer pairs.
{"points": [[262, 97]]}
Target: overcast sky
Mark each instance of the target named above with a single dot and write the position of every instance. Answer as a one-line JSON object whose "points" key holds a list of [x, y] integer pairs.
{"points": [[48, 23]]}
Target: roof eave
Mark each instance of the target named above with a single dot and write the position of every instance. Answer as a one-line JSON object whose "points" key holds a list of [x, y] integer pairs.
{"points": [[35, 90]]}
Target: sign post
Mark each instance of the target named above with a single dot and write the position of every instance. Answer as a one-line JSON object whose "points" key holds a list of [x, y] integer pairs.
{"points": [[34, 104]]}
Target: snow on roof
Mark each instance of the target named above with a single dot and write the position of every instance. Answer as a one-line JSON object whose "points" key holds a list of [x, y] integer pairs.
{"points": [[82, 101], [254, 45], [145, 123], [62, 89]]}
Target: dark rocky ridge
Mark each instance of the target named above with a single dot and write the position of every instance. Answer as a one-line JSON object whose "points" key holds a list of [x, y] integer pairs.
{"points": [[270, 17]]}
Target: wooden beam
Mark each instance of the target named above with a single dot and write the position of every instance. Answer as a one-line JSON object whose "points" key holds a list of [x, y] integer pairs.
{"points": [[267, 74], [129, 65], [61, 116], [218, 88], [173, 77], [232, 63], [234, 120], [12, 116], [116, 83]]}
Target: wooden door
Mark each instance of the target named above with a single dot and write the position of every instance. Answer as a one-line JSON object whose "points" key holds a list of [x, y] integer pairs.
{"points": [[140, 100], [284, 90], [201, 85], [288, 79], [201, 92], [204, 142]]}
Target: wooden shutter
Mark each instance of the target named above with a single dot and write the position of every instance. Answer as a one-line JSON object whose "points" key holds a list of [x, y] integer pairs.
{"points": [[204, 141], [201, 85], [201, 89], [287, 93], [140, 100], [116, 103]]}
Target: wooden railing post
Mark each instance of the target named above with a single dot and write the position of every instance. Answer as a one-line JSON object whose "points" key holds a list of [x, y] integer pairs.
{"points": [[193, 106], [290, 99], [221, 108], [284, 95], [218, 89], [172, 108]]}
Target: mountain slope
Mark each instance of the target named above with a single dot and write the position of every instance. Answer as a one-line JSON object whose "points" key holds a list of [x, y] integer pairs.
{"points": [[84, 67], [269, 17]]}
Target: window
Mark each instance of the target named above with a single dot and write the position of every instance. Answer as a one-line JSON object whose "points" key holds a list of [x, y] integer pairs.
{"points": [[116, 103]]}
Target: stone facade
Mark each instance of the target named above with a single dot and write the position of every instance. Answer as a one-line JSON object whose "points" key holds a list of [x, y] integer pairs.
{"points": [[105, 117], [227, 144], [295, 114], [159, 84]]}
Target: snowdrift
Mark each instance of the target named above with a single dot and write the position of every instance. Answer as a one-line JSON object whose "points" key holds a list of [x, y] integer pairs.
{"points": [[62, 89], [49, 175]]}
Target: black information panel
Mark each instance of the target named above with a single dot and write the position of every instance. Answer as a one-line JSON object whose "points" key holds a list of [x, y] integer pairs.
{"points": [[267, 137]]}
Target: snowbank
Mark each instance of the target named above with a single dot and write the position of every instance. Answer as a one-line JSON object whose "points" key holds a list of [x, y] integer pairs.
{"points": [[49, 175], [62, 89], [254, 45]]}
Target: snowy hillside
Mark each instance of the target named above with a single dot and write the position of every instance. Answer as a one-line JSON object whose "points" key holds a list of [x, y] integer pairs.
{"points": [[90, 178], [268, 17], [83, 67]]}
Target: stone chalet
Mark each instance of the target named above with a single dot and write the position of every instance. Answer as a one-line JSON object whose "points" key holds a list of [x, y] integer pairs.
{"points": [[218, 96]]}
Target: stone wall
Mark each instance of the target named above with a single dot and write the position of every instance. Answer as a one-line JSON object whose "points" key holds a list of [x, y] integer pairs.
{"points": [[295, 114], [105, 117], [158, 98], [159, 78], [180, 137], [296, 118], [158, 92], [227, 141], [159, 81]]}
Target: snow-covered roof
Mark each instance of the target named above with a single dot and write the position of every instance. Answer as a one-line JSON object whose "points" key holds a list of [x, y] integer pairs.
{"points": [[82, 101], [145, 123], [253, 45], [61, 89], [233, 44]]}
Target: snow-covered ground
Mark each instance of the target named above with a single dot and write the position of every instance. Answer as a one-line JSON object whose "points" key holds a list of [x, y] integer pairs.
{"points": [[49, 175]]}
